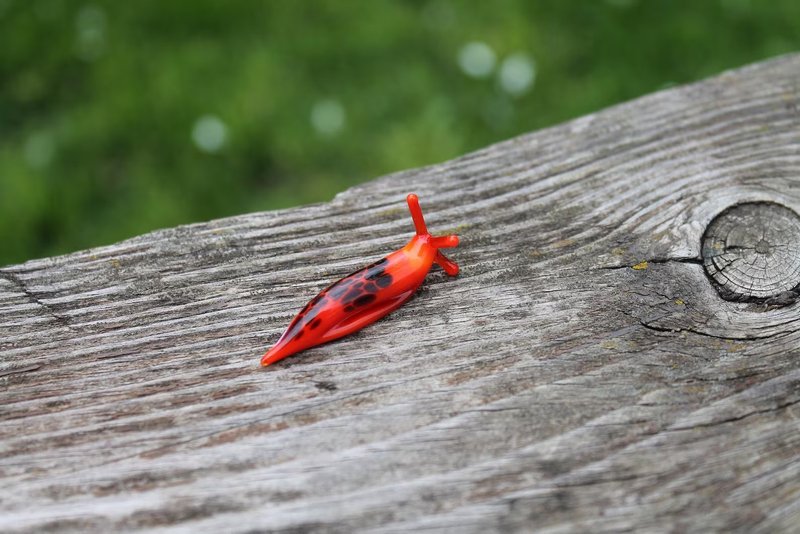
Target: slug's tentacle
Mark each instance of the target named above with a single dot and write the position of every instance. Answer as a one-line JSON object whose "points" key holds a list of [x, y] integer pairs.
{"points": [[416, 214], [449, 266], [445, 241]]}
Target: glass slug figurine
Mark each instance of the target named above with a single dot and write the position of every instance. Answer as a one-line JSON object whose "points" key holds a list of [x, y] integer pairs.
{"points": [[368, 294]]}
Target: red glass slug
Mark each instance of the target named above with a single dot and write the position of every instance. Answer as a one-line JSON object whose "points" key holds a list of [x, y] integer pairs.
{"points": [[368, 294]]}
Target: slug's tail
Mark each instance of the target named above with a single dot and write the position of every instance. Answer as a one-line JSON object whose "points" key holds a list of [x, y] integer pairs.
{"points": [[273, 356], [447, 241], [281, 350]]}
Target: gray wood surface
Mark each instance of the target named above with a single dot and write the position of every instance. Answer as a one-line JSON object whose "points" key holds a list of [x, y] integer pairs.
{"points": [[582, 373]]}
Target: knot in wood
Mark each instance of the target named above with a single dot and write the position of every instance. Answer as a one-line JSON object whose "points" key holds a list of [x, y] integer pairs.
{"points": [[752, 252]]}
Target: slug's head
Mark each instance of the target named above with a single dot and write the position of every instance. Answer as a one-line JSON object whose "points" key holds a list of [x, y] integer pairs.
{"points": [[447, 241]]}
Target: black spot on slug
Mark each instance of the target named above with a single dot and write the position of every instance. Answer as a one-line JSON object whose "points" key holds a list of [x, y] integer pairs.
{"points": [[315, 323], [363, 300], [351, 296], [384, 280], [338, 290], [372, 274]]}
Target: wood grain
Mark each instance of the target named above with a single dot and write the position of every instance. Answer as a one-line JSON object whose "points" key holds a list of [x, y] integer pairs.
{"points": [[582, 373]]}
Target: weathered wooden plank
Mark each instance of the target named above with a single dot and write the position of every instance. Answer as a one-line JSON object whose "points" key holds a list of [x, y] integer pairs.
{"points": [[582, 373]]}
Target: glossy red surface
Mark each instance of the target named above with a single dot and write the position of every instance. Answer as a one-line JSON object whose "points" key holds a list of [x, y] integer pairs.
{"points": [[368, 294]]}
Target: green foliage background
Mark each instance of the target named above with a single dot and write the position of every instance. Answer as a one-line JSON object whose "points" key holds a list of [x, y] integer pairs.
{"points": [[98, 99]]}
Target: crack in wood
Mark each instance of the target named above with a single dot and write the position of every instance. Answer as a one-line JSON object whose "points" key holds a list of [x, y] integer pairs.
{"points": [[657, 261], [33, 299], [735, 419]]}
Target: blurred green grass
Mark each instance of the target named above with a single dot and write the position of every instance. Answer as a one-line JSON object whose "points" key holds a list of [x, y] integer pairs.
{"points": [[121, 117]]}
